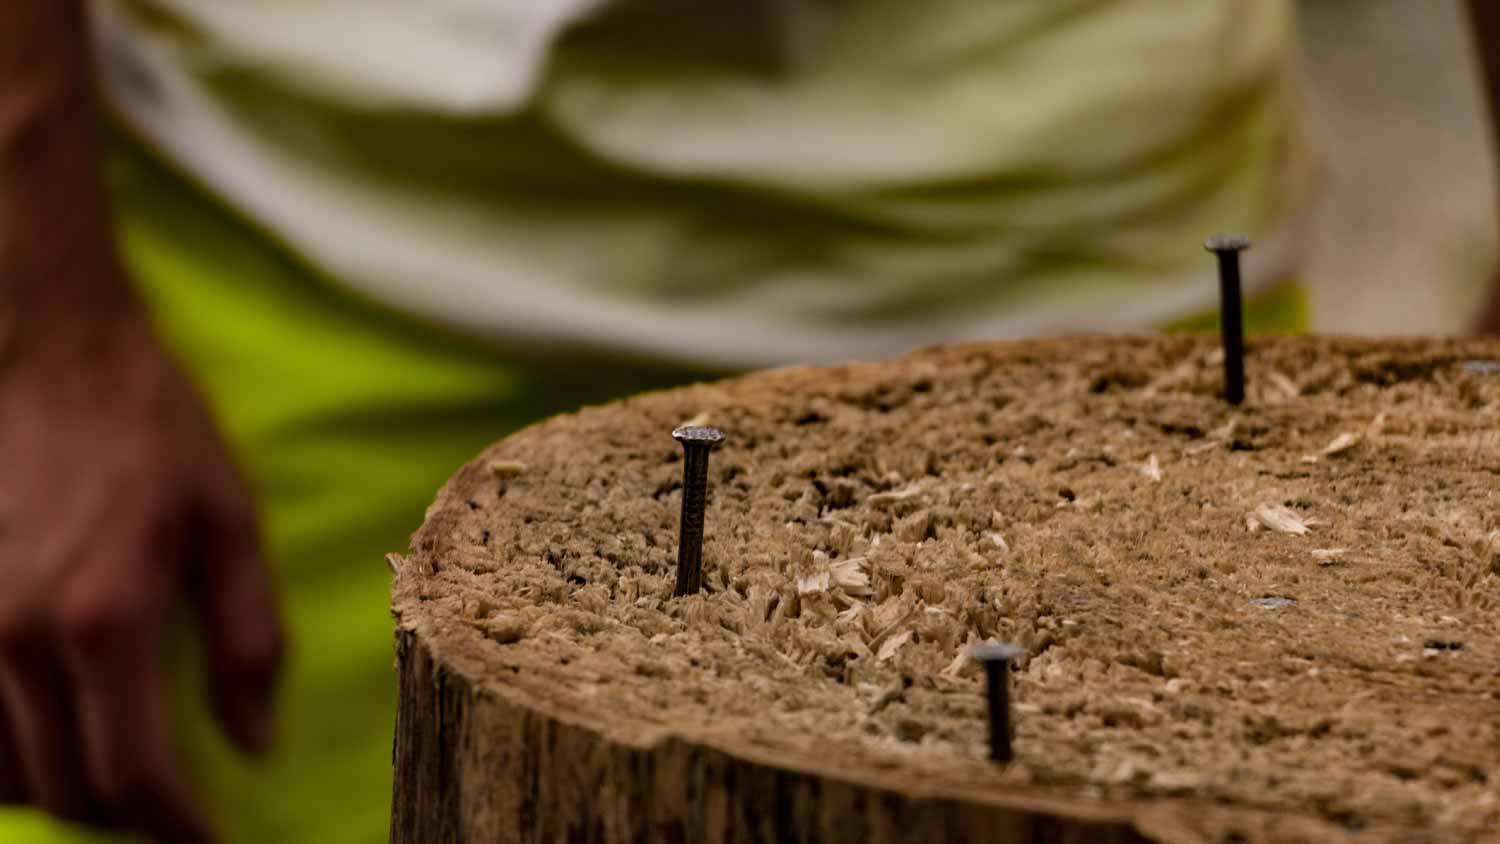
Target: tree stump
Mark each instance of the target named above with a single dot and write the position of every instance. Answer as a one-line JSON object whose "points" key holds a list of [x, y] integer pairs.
{"points": [[1276, 622]]}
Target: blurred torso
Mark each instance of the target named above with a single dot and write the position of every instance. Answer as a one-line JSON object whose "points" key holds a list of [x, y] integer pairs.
{"points": [[733, 184]]}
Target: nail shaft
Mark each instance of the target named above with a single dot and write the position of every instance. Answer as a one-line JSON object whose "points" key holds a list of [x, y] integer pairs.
{"points": [[697, 442], [1227, 249], [999, 694], [996, 660]]}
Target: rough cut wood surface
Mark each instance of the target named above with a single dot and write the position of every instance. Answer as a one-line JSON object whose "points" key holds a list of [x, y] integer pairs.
{"points": [[1273, 623]]}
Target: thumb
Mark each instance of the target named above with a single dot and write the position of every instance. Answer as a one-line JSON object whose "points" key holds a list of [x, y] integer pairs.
{"points": [[237, 609]]}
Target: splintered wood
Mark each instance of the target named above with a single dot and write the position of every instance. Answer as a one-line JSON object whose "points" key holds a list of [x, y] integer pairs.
{"points": [[1276, 622]]}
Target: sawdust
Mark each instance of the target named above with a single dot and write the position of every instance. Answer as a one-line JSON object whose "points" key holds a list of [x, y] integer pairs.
{"points": [[1209, 618]]}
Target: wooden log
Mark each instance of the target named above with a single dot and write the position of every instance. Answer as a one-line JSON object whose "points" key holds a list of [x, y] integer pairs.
{"points": [[1273, 623], [480, 767]]}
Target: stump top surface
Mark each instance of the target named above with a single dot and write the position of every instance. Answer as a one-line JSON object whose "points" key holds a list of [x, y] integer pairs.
{"points": [[1280, 620]]}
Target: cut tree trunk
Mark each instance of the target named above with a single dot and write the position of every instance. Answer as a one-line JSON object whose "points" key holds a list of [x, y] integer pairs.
{"points": [[1276, 622], [477, 767]]}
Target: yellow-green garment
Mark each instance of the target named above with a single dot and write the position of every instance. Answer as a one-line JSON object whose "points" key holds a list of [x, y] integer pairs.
{"points": [[347, 419]]}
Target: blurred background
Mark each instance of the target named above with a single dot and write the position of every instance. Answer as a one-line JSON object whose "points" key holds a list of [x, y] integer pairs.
{"points": [[1393, 96], [378, 235]]}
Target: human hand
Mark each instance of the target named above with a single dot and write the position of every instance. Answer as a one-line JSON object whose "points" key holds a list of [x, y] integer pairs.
{"points": [[118, 496]]}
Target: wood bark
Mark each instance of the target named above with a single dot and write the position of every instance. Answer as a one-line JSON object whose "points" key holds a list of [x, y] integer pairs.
{"points": [[473, 766]]}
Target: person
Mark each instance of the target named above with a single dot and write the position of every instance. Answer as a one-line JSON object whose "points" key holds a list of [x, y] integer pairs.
{"points": [[330, 249]]}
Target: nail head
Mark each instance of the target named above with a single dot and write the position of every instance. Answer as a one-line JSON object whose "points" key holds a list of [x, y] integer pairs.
{"points": [[1227, 243], [698, 434], [992, 652]]}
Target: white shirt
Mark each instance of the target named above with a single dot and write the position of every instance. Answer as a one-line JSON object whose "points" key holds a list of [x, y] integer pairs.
{"points": [[736, 184]]}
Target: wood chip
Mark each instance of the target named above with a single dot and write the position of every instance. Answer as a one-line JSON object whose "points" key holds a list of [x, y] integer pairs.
{"points": [[508, 468], [889, 647], [814, 584], [962, 660], [1277, 518], [916, 527], [877, 642], [1224, 433], [1207, 445], [1152, 468], [887, 696], [852, 576], [1342, 443], [506, 630], [1273, 602], [886, 499], [1284, 384]]}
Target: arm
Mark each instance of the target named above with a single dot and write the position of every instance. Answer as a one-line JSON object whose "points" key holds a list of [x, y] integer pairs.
{"points": [[1485, 17], [117, 494]]}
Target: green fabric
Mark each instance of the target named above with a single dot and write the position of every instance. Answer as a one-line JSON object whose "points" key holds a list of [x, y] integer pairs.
{"points": [[347, 420]]}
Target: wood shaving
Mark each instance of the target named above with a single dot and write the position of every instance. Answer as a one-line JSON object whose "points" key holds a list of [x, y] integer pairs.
{"points": [[1226, 432], [507, 468], [889, 647], [886, 696], [878, 641], [1207, 445], [814, 584], [1277, 518], [1342, 443], [1152, 468], [851, 576], [505, 630], [1286, 385], [961, 660], [886, 499]]}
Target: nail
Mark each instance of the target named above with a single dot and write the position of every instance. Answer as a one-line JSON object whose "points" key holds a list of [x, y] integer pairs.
{"points": [[697, 442], [1227, 248], [996, 660]]}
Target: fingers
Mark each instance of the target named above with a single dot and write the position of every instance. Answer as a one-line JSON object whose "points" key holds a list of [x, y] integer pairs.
{"points": [[46, 754], [110, 635], [238, 611]]}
